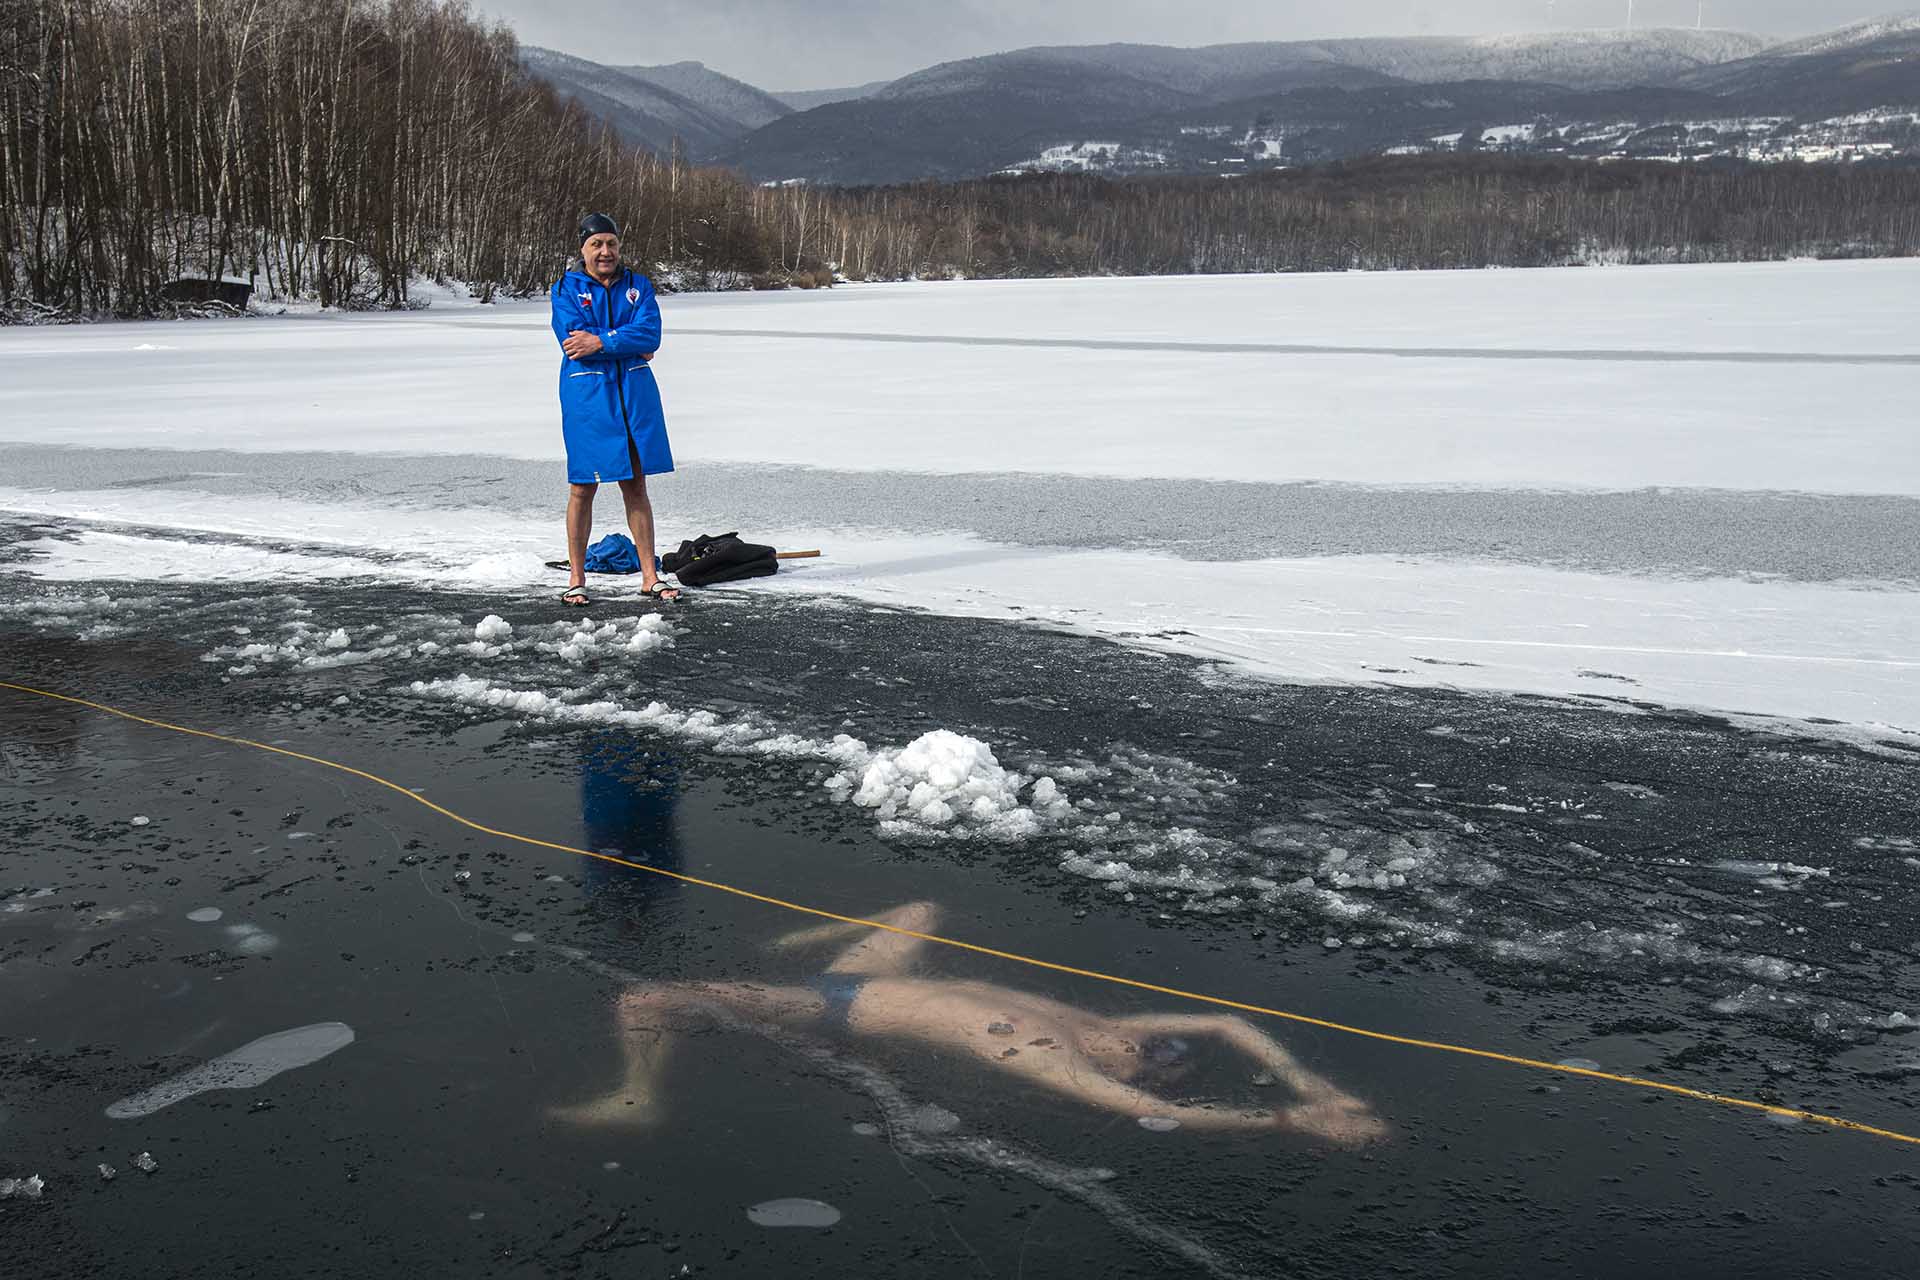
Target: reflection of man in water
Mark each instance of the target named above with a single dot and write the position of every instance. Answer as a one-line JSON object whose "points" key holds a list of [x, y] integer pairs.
{"points": [[1111, 1063], [627, 799]]}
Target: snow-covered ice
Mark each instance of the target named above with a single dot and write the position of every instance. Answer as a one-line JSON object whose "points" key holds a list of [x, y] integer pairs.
{"points": [[1743, 380]]}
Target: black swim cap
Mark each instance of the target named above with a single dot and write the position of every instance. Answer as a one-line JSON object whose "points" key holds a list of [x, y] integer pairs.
{"points": [[597, 224], [1164, 1051]]}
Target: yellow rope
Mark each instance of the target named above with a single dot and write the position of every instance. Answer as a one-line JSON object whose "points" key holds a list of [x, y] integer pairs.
{"points": [[1697, 1095]]}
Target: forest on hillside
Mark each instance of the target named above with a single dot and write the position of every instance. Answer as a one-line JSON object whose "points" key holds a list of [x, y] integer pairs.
{"points": [[341, 150], [1377, 214]]}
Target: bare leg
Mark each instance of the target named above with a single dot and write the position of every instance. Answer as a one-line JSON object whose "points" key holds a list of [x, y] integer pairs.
{"points": [[647, 1019], [880, 951], [640, 524], [579, 525]]}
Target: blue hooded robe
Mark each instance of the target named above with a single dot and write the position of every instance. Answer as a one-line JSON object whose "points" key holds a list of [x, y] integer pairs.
{"points": [[609, 406]]}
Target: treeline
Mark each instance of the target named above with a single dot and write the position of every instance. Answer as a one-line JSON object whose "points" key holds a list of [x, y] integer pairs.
{"points": [[332, 149], [339, 150], [1377, 214]]}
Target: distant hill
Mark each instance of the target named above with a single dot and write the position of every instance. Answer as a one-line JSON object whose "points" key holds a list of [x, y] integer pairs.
{"points": [[734, 100], [981, 114], [1857, 68], [1571, 59], [951, 122], [652, 106], [808, 99], [1859, 33], [1853, 93]]}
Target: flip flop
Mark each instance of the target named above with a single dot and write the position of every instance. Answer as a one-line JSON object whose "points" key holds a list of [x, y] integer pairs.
{"points": [[575, 598], [665, 593]]}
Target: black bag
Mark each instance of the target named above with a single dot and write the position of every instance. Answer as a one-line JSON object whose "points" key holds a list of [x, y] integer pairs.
{"points": [[719, 557]]}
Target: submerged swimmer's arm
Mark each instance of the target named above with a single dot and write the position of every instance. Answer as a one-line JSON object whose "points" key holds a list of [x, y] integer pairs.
{"points": [[1085, 1082], [1242, 1035]]}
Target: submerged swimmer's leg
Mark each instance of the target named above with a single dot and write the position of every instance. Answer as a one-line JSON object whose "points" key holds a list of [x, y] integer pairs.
{"points": [[646, 1020], [880, 951]]}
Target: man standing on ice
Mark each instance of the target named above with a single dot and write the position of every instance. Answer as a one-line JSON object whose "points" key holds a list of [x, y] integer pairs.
{"points": [[607, 322]]}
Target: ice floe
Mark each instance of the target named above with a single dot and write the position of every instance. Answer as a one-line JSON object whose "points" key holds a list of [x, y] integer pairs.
{"points": [[252, 1064], [794, 1212]]}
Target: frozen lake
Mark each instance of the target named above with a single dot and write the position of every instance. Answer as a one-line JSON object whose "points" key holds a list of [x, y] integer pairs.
{"points": [[1412, 580], [1695, 486]]}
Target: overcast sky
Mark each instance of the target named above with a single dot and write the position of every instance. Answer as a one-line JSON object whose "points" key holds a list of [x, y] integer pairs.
{"points": [[817, 44]]}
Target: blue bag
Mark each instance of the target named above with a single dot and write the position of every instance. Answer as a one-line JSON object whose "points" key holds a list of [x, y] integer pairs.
{"points": [[614, 553]]}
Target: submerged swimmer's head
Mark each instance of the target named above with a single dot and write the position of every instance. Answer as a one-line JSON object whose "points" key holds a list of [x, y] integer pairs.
{"points": [[1164, 1051], [1164, 1060]]}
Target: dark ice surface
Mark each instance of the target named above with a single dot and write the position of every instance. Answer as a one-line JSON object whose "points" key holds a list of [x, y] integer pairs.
{"points": [[1676, 532], [1656, 892]]}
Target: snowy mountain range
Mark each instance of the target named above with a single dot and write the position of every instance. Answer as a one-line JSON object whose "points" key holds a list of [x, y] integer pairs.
{"points": [[652, 106], [1235, 108]]}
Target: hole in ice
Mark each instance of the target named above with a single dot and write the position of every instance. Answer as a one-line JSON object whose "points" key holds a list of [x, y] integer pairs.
{"points": [[793, 1213], [1579, 1064], [251, 1064], [867, 1130], [205, 915], [1159, 1124]]}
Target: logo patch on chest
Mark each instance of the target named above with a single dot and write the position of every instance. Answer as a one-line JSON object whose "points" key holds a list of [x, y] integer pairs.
{"points": [[633, 295]]}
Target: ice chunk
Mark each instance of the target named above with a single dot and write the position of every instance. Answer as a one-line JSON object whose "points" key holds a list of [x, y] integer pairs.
{"points": [[205, 915], [108, 1173], [931, 1118], [1159, 1124], [139, 820], [336, 639], [945, 779], [251, 1064], [28, 1188], [492, 628], [251, 939], [145, 1162], [793, 1213]]}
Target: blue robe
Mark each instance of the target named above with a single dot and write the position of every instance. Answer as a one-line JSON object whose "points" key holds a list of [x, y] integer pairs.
{"points": [[609, 405]]}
